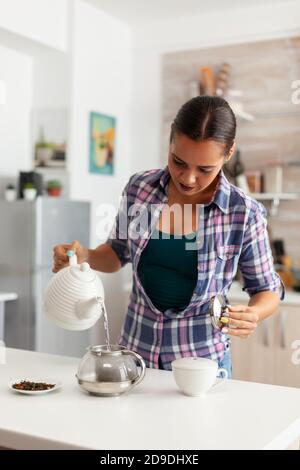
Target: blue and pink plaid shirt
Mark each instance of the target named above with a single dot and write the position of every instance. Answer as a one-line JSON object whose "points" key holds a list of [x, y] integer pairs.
{"points": [[231, 234]]}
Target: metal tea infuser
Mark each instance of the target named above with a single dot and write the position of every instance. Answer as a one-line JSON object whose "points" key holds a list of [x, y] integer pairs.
{"points": [[219, 311]]}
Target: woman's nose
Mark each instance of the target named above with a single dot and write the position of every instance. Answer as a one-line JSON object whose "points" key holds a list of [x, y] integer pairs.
{"points": [[189, 179]]}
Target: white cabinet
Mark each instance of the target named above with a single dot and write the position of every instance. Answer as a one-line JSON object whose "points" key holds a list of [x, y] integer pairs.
{"points": [[253, 358], [267, 356], [286, 333]]}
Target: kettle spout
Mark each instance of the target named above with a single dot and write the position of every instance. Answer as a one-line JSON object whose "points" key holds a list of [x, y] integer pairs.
{"points": [[89, 308]]}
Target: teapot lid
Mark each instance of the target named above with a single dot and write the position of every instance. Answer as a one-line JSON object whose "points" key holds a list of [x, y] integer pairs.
{"points": [[83, 272], [194, 363], [102, 350]]}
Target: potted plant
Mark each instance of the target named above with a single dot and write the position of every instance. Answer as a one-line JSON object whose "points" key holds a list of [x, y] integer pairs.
{"points": [[10, 192], [29, 191], [44, 152], [54, 188]]}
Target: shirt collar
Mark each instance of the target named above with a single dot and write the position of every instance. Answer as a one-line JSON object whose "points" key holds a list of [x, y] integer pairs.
{"points": [[163, 181], [222, 193]]}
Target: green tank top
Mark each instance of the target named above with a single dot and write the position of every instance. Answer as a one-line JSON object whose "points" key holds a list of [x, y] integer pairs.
{"points": [[168, 271]]}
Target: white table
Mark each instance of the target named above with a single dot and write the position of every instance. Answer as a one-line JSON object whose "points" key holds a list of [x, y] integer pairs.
{"points": [[155, 415], [4, 297]]}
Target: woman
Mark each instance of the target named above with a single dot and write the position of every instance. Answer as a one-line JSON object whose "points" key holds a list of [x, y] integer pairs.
{"points": [[201, 229]]}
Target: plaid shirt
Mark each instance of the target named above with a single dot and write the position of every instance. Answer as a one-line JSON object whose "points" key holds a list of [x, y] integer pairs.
{"points": [[231, 234]]}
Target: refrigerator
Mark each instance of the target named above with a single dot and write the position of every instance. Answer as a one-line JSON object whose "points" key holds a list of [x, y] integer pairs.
{"points": [[28, 232]]}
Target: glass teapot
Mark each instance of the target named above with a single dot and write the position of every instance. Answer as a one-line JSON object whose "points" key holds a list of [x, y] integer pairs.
{"points": [[110, 371]]}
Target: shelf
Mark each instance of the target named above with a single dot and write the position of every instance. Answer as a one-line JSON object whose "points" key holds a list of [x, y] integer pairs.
{"points": [[272, 196], [275, 199], [51, 169], [277, 114], [239, 111]]}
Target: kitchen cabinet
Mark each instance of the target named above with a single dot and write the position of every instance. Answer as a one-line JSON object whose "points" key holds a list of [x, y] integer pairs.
{"points": [[252, 358], [286, 358], [266, 357]]}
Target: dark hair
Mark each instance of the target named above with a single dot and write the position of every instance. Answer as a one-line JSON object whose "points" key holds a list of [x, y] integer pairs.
{"points": [[206, 118]]}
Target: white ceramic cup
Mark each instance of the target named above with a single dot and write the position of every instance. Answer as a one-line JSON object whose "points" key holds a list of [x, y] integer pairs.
{"points": [[194, 376]]}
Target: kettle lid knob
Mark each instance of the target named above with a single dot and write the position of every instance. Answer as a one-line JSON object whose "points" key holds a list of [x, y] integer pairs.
{"points": [[84, 267]]}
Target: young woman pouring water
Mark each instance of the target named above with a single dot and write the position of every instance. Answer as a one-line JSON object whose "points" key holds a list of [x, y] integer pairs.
{"points": [[200, 230]]}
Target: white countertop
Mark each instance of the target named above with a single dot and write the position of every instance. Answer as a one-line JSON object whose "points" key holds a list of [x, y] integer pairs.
{"points": [[155, 415], [4, 296], [236, 292]]}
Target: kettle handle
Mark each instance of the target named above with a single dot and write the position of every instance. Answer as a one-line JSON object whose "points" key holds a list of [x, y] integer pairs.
{"points": [[72, 257], [141, 362]]}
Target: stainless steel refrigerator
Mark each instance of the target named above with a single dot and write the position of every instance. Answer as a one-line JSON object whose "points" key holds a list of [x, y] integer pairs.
{"points": [[28, 232]]}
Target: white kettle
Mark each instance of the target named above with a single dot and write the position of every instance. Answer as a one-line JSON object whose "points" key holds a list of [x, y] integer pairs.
{"points": [[74, 298]]}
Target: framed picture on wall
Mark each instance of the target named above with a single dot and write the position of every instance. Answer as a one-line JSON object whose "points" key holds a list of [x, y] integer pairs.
{"points": [[102, 143]]}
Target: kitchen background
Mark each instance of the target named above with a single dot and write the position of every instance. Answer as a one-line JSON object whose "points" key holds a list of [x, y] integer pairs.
{"points": [[62, 59]]}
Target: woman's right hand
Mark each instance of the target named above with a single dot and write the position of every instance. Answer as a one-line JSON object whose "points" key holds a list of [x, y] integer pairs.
{"points": [[60, 258]]}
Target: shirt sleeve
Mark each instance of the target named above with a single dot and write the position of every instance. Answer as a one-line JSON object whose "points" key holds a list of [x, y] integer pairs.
{"points": [[118, 237], [256, 261]]}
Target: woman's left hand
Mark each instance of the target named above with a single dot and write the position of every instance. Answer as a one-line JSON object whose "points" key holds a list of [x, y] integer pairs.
{"points": [[243, 321]]}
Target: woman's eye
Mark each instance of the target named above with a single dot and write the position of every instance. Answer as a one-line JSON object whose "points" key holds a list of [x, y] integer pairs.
{"points": [[178, 163], [202, 170]]}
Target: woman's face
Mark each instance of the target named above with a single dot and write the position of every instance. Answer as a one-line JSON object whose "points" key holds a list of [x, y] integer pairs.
{"points": [[194, 165]]}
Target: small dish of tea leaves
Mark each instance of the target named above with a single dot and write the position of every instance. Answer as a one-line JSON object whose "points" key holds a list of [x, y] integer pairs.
{"points": [[34, 386]]}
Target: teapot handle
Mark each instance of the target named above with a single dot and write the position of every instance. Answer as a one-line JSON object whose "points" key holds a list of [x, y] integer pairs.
{"points": [[141, 362], [72, 257]]}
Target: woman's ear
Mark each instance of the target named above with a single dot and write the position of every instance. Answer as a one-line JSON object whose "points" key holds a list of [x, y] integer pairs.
{"points": [[230, 153]]}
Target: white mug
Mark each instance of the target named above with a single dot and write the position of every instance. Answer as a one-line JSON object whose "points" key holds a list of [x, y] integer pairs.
{"points": [[194, 376]]}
